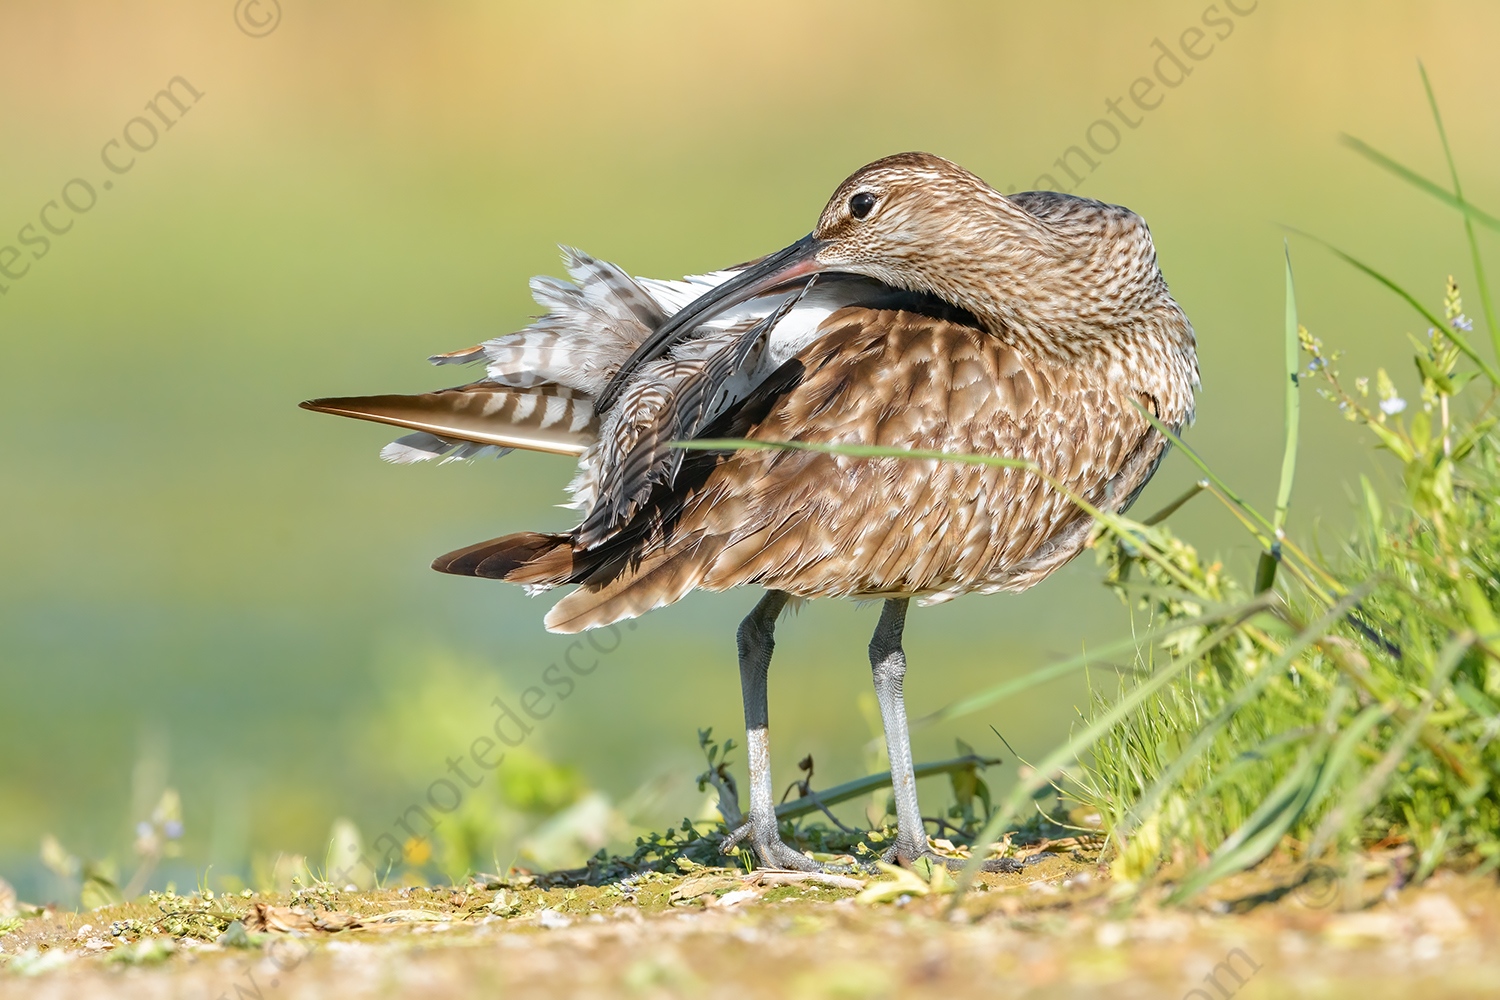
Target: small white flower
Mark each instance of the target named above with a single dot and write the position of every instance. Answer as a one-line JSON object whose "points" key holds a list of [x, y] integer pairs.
{"points": [[1390, 401]]}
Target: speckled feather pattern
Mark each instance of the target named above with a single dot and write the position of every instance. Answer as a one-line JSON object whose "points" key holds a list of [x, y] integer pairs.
{"points": [[820, 525], [1053, 322]]}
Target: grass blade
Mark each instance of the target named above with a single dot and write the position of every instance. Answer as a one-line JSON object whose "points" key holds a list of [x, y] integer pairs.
{"points": [[1419, 182], [1175, 505], [1265, 571], [856, 451], [1041, 775], [1458, 193], [1120, 526], [1293, 796], [1457, 338], [987, 697], [1364, 795], [1146, 804], [1192, 456], [859, 787]]}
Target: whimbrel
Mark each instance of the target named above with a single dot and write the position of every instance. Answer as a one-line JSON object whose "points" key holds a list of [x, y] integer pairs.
{"points": [[925, 311]]}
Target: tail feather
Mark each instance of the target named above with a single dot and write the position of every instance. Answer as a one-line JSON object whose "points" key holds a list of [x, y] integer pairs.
{"points": [[547, 418], [534, 558], [424, 447], [461, 357], [659, 580]]}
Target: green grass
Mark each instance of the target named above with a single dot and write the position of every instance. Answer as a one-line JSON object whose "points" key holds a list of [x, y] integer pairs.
{"points": [[1356, 703], [1359, 706]]}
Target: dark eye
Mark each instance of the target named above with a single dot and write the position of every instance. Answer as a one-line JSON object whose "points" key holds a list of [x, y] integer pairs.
{"points": [[861, 204]]}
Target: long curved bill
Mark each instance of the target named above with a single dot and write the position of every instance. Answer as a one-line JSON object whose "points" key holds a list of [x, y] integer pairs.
{"points": [[796, 261]]}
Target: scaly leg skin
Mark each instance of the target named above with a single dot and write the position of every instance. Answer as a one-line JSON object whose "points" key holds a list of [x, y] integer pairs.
{"points": [[888, 663], [757, 638]]}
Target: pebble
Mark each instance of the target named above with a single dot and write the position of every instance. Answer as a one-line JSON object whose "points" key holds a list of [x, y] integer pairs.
{"points": [[552, 920]]}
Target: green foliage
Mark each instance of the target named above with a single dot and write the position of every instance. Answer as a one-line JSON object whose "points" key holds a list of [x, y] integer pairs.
{"points": [[532, 784], [1358, 708], [199, 915], [1356, 703]]}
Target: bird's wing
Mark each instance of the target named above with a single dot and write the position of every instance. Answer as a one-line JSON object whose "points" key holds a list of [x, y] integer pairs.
{"points": [[546, 418], [672, 400], [829, 525], [593, 322]]}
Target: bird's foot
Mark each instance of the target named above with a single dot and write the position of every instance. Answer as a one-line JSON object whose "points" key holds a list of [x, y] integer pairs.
{"points": [[775, 853], [907, 856]]}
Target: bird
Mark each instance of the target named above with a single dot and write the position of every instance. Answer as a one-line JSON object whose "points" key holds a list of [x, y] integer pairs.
{"points": [[925, 311]]}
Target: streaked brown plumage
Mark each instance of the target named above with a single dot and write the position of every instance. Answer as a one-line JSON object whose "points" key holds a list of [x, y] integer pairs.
{"points": [[926, 311]]}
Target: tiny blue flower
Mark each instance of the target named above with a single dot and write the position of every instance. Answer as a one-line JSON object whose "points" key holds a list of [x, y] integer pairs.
{"points": [[172, 828], [1392, 406]]}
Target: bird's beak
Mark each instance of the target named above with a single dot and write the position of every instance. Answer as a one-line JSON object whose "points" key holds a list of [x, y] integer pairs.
{"points": [[800, 260], [782, 267]]}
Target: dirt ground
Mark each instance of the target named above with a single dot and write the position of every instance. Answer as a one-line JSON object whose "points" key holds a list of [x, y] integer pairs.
{"points": [[1057, 929]]}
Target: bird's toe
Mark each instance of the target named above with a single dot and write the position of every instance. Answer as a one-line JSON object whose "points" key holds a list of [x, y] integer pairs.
{"points": [[777, 854], [907, 857]]}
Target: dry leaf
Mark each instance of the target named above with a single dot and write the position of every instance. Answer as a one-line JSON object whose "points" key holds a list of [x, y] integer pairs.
{"points": [[337, 920], [403, 917], [297, 919], [700, 885], [279, 919], [735, 898], [905, 882]]}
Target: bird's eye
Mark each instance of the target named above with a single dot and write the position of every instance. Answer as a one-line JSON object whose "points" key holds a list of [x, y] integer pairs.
{"points": [[861, 204]]}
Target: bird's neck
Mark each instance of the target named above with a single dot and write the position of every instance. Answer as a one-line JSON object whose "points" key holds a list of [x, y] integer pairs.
{"points": [[1062, 290]]}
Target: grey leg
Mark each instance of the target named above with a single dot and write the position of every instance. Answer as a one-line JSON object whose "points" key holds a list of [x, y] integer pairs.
{"points": [[888, 662], [757, 638]]}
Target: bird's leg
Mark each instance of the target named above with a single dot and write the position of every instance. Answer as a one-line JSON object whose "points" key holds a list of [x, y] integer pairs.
{"points": [[888, 663], [757, 638]]}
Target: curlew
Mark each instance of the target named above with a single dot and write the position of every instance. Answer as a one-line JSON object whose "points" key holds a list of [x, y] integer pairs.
{"points": [[925, 311]]}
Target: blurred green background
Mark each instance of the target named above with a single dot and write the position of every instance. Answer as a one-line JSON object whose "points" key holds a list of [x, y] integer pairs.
{"points": [[210, 590]]}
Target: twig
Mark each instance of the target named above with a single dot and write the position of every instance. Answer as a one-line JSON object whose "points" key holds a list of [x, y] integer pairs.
{"points": [[864, 786]]}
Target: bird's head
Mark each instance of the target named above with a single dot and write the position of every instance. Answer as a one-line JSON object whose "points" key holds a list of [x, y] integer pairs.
{"points": [[921, 223], [916, 222]]}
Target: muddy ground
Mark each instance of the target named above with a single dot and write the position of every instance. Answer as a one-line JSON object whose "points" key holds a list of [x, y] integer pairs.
{"points": [[1058, 928]]}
